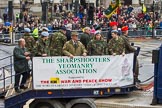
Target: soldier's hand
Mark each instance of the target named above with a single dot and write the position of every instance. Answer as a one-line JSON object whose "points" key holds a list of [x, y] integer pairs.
{"points": [[84, 54], [44, 55], [114, 54], [71, 56], [28, 58], [27, 53]]}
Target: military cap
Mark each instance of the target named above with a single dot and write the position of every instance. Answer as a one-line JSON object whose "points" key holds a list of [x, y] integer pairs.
{"points": [[45, 34], [74, 34], [45, 28], [114, 31], [124, 28], [27, 30], [113, 24]]}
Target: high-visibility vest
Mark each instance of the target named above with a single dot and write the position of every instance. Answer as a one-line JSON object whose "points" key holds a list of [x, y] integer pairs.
{"points": [[17, 15], [35, 33]]}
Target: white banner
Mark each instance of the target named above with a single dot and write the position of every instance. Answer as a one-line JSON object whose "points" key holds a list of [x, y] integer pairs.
{"points": [[82, 72]]}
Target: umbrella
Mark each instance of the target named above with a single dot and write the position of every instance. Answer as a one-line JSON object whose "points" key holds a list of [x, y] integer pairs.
{"points": [[7, 24]]}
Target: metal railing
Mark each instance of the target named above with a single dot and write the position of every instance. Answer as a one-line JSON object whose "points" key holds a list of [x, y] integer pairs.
{"points": [[6, 73], [131, 33], [7, 76]]}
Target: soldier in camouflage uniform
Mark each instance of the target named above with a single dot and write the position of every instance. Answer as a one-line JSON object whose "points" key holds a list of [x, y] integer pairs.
{"points": [[74, 47], [56, 42], [116, 45], [41, 48], [30, 42], [97, 46], [130, 49]]}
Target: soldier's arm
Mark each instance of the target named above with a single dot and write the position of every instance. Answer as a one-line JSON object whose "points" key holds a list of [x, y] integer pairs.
{"points": [[50, 41], [37, 50], [109, 48], [89, 48], [33, 42], [65, 50], [106, 52], [124, 47], [127, 45], [64, 39]]}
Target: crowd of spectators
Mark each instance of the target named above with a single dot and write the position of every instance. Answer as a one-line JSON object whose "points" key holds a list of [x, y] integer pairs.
{"points": [[65, 15]]}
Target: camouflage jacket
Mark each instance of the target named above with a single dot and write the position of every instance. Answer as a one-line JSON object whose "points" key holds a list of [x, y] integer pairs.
{"points": [[97, 47], [56, 43], [128, 47], [116, 46], [41, 47], [75, 49], [30, 42]]}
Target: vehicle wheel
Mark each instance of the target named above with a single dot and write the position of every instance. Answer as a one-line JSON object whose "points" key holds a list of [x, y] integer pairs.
{"points": [[46, 104], [81, 105], [43, 105]]}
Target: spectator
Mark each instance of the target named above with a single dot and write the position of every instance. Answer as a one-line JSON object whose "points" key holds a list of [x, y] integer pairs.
{"points": [[68, 31]]}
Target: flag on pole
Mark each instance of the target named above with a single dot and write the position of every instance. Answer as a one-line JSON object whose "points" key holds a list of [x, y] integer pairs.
{"points": [[113, 8]]}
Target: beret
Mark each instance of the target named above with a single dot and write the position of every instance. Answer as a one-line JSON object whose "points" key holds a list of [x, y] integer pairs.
{"points": [[45, 34], [113, 24], [124, 28], [114, 31], [27, 30]]}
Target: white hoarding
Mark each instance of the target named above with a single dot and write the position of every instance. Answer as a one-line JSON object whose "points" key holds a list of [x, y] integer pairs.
{"points": [[82, 72]]}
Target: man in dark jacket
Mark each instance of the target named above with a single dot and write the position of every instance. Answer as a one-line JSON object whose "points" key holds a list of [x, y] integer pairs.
{"points": [[85, 37], [21, 66], [68, 31]]}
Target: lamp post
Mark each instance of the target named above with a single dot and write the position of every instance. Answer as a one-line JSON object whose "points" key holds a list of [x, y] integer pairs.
{"points": [[44, 11], [51, 2], [20, 5], [153, 19]]}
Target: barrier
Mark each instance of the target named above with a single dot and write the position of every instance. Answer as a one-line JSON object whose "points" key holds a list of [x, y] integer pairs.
{"points": [[131, 34]]}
